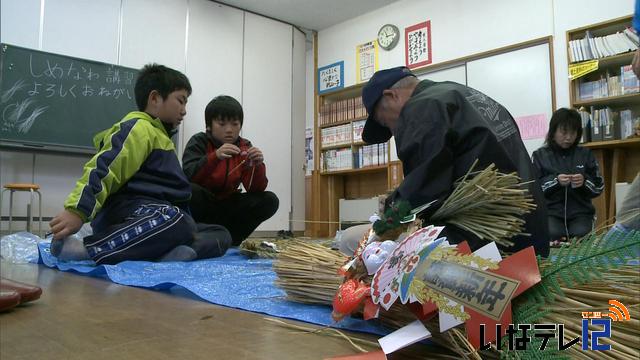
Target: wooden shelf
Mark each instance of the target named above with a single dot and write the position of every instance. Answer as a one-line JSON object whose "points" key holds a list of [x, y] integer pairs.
{"points": [[615, 60], [344, 93], [359, 170], [327, 187], [610, 100], [601, 28], [633, 142], [617, 159], [342, 122], [339, 146]]}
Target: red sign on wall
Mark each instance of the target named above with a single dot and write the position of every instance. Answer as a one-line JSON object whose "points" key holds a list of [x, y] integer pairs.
{"points": [[417, 41]]}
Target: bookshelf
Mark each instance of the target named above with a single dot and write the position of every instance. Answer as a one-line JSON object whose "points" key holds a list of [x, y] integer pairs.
{"points": [[341, 119], [608, 99], [347, 168]]}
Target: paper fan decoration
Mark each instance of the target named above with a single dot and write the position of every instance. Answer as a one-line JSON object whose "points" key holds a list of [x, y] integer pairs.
{"points": [[396, 272]]}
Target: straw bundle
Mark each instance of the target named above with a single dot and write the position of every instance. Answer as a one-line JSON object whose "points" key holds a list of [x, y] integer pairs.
{"points": [[269, 248], [262, 248], [488, 204], [571, 283], [308, 272]]}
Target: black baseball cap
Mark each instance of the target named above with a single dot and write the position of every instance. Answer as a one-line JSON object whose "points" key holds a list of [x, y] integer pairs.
{"points": [[374, 133]]}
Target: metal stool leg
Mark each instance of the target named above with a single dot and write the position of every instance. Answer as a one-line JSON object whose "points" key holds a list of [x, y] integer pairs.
{"points": [[30, 210], [1, 203], [39, 213], [10, 209]]}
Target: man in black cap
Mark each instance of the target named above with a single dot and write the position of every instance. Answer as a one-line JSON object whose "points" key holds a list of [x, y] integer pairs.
{"points": [[440, 129]]}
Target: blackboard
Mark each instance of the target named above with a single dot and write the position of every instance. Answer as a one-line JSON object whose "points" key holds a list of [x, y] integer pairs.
{"points": [[58, 102]]}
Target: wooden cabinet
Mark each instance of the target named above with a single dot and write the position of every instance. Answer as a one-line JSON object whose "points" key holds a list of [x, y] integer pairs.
{"points": [[347, 168], [619, 162], [608, 98]]}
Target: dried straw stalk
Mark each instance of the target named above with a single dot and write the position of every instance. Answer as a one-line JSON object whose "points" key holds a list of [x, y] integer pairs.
{"points": [[308, 272], [488, 204]]}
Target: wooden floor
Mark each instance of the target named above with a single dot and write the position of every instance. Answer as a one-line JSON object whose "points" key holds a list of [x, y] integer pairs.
{"points": [[80, 317]]}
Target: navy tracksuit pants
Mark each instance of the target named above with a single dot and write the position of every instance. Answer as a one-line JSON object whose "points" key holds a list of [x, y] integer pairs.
{"points": [[140, 228]]}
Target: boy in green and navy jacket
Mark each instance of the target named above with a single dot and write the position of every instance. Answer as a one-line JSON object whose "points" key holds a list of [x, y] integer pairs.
{"points": [[216, 162], [134, 191]]}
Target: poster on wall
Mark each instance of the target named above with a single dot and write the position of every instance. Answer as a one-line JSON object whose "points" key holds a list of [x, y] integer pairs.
{"points": [[532, 126], [331, 77], [417, 41], [366, 60], [308, 151]]}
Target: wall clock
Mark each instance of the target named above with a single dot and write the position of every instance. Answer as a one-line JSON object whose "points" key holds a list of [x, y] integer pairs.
{"points": [[388, 36]]}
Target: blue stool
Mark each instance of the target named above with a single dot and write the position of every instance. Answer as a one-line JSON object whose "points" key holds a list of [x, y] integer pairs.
{"points": [[33, 189]]}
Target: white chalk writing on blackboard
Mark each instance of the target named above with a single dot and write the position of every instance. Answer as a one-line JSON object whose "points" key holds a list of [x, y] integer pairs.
{"points": [[50, 79]]}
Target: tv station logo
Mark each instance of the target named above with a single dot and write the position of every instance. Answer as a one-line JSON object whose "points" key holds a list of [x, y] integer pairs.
{"points": [[520, 336]]}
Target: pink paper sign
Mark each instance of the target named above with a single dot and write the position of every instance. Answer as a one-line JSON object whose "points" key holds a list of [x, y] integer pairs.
{"points": [[532, 126]]}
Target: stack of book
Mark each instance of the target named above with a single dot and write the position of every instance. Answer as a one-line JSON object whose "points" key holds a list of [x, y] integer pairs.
{"points": [[628, 123], [358, 126], [336, 135], [607, 124], [585, 116], [341, 110], [596, 47], [623, 83], [370, 155], [334, 160]]}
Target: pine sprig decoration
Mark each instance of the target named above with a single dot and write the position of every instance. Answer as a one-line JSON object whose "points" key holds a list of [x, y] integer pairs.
{"points": [[390, 220], [582, 262], [576, 265], [590, 258], [528, 312]]}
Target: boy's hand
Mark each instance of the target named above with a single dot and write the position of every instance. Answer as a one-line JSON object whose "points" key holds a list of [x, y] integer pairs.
{"points": [[255, 156], [577, 180], [226, 151], [65, 224], [564, 179]]}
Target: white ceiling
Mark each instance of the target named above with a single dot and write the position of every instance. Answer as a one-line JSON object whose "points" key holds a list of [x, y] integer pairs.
{"points": [[309, 14]]}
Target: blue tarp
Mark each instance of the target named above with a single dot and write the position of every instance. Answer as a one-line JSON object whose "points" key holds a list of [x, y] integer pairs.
{"points": [[232, 280]]}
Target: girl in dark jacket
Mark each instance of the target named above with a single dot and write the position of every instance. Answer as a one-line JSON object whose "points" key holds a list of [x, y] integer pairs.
{"points": [[569, 176]]}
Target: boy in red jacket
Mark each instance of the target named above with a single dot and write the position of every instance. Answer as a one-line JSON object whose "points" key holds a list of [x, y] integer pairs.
{"points": [[216, 162]]}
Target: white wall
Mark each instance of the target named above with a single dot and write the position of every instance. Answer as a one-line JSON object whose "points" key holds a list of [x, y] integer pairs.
{"points": [[82, 28], [309, 100], [466, 27], [207, 41], [214, 48], [23, 29], [267, 98], [298, 122], [459, 28]]}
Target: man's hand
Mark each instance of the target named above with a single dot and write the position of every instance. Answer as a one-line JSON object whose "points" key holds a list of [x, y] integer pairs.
{"points": [[226, 151], [577, 180], [255, 156], [564, 179], [65, 224]]}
